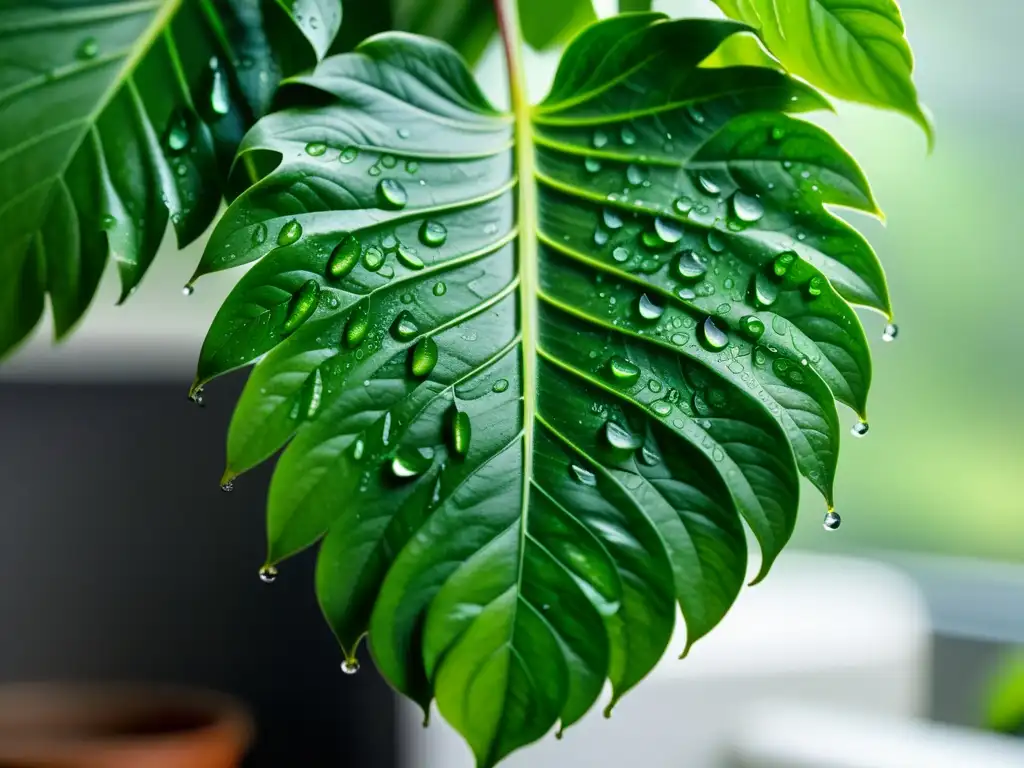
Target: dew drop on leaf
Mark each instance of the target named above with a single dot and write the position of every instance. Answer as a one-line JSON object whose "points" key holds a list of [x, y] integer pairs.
{"points": [[424, 357], [628, 136], [188, 290], [404, 327], [433, 234], [715, 242], [358, 447], [683, 204], [197, 397], [500, 385], [411, 462], [747, 208], [714, 336], [622, 371], [815, 286], [635, 175], [388, 161], [783, 262], [600, 139], [619, 437], [228, 487], [669, 231], [648, 309], [620, 254], [302, 305], [832, 520], [860, 429], [649, 456], [219, 101], [344, 257], [890, 333], [752, 327], [179, 133], [611, 219], [708, 185], [268, 574], [689, 267], [765, 291], [259, 235], [461, 432], [358, 324], [316, 148], [392, 194], [348, 154], [373, 259], [408, 257], [89, 49], [592, 164], [583, 476], [440, 289], [350, 666], [289, 233]]}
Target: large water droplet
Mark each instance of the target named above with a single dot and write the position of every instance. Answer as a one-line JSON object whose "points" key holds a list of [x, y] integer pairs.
{"points": [[669, 231], [440, 289], [752, 327], [404, 327], [344, 257], [592, 164], [408, 257], [649, 310], [411, 462], [424, 357], [89, 49], [683, 204], [628, 135], [461, 432], [783, 262], [348, 154], [228, 487], [583, 476], [392, 194], [832, 520], [358, 324], [259, 235], [316, 148], [302, 305], [350, 666], [179, 133], [747, 208], [611, 219], [859, 429], [890, 333], [815, 286], [689, 267], [620, 254], [220, 102], [714, 336], [268, 574], [635, 175], [715, 242], [600, 139], [289, 233], [196, 396], [620, 438], [649, 456], [500, 385], [373, 258], [765, 291], [433, 234], [708, 185], [623, 372]]}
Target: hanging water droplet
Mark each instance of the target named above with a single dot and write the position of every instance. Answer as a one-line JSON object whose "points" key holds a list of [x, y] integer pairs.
{"points": [[358, 324], [350, 666], [89, 49], [268, 574], [316, 148], [832, 520], [392, 194], [219, 101], [890, 333], [424, 357], [461, 432], [714, 336], [627, 135], [344, 257], [752, 327], [500, 385], [583, 476], [620, 438], [635, 175], [708, 185], [408, 257], [620, 254], [592, 164], [715, 242], [228, 487], [404, 327], [623, 372], [859, 429], [600, 139], [259, 235], [765, 291], [196, 396], [188, 290], [611, 219], [289, 233], [747, 208], [783, 262], [411, 462], [669, 231], [348, 154], [689, 266], [815, 286], [179, 133], [649, 310], [433, 234], [302, 305]]}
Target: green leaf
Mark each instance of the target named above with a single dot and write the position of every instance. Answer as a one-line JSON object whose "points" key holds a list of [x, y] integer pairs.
{"points": [[120, 116], [467, 25], [854, 50], [628, 6], [533, 374], [547, 23]]}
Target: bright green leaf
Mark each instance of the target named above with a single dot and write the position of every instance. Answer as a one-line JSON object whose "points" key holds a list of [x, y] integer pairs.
{"points": [[120, 116], [854, 50], [547, 23], [533, 373]]}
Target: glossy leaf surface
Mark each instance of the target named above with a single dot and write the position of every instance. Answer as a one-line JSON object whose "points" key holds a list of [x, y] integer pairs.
{"points": [[855, 50], [117, 117], [533, 373]]}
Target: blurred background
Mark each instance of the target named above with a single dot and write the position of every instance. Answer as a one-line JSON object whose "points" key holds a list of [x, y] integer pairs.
{"points": [[122, 559]]}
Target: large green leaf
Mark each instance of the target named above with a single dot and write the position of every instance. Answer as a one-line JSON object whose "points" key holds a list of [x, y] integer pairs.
{"points": [[532, 373], [117, 116], [853, 49]]}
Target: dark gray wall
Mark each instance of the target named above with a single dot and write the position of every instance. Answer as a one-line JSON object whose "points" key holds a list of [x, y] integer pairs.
{"points": [[120, 558]]}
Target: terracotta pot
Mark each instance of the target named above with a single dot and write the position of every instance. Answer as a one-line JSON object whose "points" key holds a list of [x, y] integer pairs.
{"points": [[119, 726]]}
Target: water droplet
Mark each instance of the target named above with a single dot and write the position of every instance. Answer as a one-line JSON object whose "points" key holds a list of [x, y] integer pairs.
{"points": [[648, 309], [592, 164], [859, 429], [358, 324], [620, 438], [649, 456], [776, 134], [228, 487], [89, 49], [392, 193], [388, 161], [715, 242], [219, 101], [411, 462], [302, 305], [662, 407], [188, 290], [815, 286], [197, 397], [611, 219], [408, 257], [373, 258], [714, 336], [680, 339], [832, 520], [268, 574], [500, 385], [620, 254], [600, 236], [623, 372], [107, 221], [179, 133], [628, 136], [669, 231], [635, 175], [358, 447], [689, 267], [404, 327], [315, 148], [600, 139], [683, 204], [782, 264], [424, 357], [411, 166], [708, 185], [752, 327], [289, 233], [583, 476], [350, 666], [461, 432], [765, 291], [348, 155], [695, 114], [259, 235], [433, 234], [890, 333], [344, 257], [747, 208]]}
